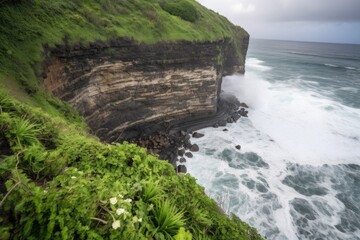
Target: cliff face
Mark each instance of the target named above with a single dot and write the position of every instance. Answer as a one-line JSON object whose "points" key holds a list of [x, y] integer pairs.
{"points": [[125, 89]]}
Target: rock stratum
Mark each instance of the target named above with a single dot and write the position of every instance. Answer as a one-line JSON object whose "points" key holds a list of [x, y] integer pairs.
{"points": [[125, 89]]}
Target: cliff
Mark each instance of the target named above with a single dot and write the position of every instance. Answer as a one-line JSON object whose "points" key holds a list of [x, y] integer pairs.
{"points": [[122, 86], [125, 66]]}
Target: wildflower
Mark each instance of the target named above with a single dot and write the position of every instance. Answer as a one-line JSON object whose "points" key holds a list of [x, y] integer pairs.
{"points": [[121, 196], [116, 224], [113, 200], [120, 211], [128, 200]]}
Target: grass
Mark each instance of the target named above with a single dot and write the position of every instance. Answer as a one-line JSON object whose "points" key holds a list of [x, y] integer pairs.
{"points": [[27, 28], [56, 179], [61, 183]]}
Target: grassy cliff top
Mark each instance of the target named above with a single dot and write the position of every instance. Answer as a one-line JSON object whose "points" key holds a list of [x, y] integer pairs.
{"points": [[26, 26]]}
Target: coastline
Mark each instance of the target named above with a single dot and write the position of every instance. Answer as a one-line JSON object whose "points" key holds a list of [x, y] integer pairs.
{"points": [[171, 140]]}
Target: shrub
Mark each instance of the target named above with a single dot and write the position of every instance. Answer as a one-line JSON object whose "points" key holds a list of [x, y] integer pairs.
{"points": [[182, 9]]}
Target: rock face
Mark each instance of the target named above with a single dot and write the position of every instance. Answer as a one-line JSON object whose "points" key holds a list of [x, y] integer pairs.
{"points": [[125, 89]]}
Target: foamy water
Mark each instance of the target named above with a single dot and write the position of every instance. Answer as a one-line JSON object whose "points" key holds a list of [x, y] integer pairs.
{"points": [[297, 175]]}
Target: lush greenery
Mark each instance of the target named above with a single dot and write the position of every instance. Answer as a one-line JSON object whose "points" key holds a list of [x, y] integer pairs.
{"points": [[28, 27], [58, 182], [181, 8]]}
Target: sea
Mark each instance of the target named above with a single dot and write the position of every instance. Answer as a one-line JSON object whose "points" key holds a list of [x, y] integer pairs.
{"points": [[297, 175]]}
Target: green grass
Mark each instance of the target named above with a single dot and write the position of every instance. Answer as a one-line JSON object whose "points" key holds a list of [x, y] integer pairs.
{"points": [[27, 27], [56, 180], [59, 182]]}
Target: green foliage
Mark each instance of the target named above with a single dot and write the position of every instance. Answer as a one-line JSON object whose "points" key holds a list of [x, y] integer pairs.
{"points": [[29, 28], [181, 8], [84, 189], [183, 235], [168, 220]]}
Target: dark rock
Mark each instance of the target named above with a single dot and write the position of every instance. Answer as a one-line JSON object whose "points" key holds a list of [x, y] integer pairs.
{"points": [[182, 160], [229, 120], [194, 148], [187, 144], [183, 133], [181, 169], [189, 154], [216, 125], [181, 152], [225, 130], [197, 135], [238, 147], [236, 116], [187, 137], [222, 123], [243, 105], [243, 113]]}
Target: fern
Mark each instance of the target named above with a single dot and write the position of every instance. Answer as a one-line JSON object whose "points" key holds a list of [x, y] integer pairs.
{"points": [[168, 219], [25, 132]]}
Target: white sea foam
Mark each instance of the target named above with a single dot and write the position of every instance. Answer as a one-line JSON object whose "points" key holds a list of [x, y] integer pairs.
{"points": [[292, 130]]}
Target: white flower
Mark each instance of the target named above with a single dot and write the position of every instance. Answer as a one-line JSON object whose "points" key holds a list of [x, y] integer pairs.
{"points": [[140, 220], [128, 200], [73, 177], [113, 200], [120, 211], [121, 196], [116, 224]]}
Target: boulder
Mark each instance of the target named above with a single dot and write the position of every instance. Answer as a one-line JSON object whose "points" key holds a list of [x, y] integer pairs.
{"points": [[238, 147], [189, 154], [182, 160], [194, 148], [181, 152], [197, 135], [181, 169]]}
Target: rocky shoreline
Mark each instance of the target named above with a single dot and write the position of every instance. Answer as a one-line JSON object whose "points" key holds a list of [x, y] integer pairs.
{"points": [[172, 141]]}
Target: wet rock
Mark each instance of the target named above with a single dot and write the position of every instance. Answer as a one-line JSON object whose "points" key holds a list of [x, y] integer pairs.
{"points": [[181, 169], [216, 125], [197, 135], [189, 154], [229, 120], [243, 105], [225, 130], [222, 123], [243, 112], [181, 152], [238, 147], [183, 133], [182, 160], [187, 137], [187, 144], [194, 148]]}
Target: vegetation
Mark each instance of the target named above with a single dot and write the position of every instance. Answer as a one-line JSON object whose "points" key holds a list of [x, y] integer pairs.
{"points": [[28, 28], [59, 182]]}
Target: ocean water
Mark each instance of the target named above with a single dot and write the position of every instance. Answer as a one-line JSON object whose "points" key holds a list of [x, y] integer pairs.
{"points": [[297, 175]]}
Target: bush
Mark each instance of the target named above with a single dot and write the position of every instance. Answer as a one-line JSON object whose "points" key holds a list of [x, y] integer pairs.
{"points": [[181, 8]]}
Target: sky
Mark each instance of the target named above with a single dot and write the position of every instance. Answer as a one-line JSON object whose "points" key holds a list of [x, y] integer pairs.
{"points": [[298, 20]]}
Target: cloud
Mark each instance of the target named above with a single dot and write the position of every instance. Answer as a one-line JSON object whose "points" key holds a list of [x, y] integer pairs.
{"points": [[242, 8], [312, 20], [288, 10]]}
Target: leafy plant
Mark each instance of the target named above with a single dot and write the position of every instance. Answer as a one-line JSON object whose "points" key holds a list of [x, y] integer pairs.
{"points": [[24, 132], [168, 219], [181, 8]]}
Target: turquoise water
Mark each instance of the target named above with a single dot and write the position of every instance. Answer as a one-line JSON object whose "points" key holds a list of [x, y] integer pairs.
{"points": [[297, 175]]}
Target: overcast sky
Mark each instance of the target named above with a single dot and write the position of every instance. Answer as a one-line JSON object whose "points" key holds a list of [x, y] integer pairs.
{"points": [[302, 20]]}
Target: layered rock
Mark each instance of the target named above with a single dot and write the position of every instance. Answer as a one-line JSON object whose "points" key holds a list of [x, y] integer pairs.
{"points": [[125, 89]]}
